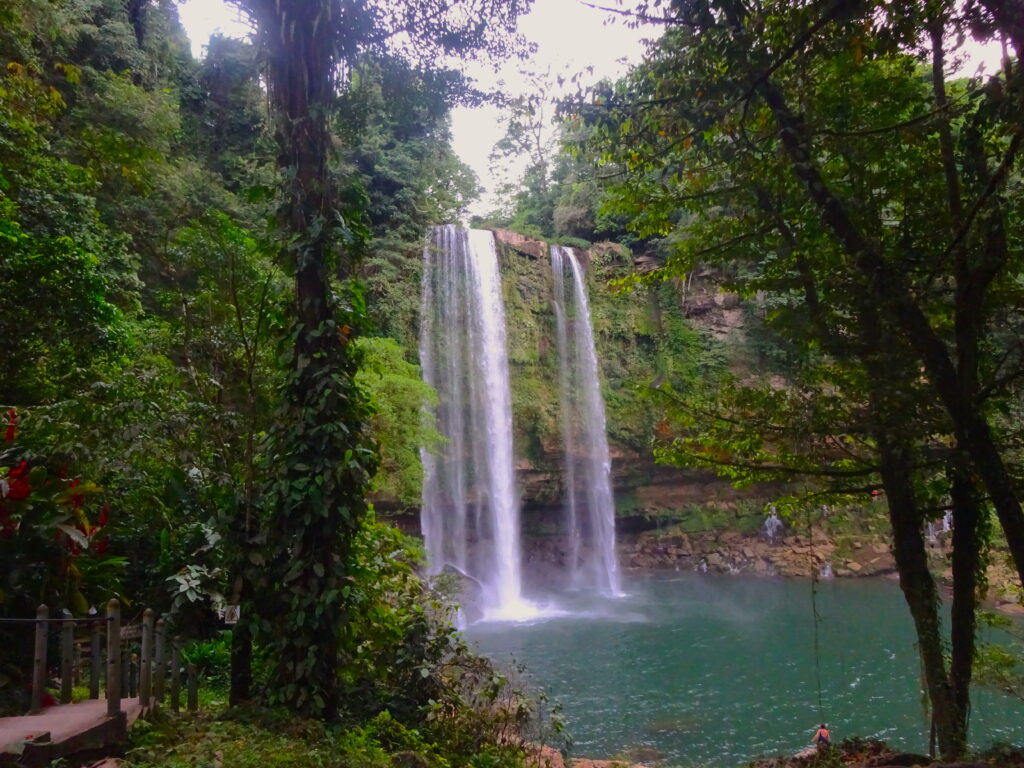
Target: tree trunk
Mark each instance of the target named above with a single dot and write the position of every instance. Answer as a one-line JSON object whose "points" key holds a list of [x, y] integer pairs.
{"points": [[921, 594], [883, 360], [967, 521], [241, 662]]}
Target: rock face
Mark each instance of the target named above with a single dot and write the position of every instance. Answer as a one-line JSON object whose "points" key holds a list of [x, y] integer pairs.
{"points": [[642, 337], [726, 552], [730, 552], [535, 249]]}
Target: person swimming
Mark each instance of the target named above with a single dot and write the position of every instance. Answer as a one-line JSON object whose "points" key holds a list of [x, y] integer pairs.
{"points": [[822, 738]]}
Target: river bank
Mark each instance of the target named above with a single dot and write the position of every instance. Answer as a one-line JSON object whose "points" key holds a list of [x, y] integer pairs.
{"points": [[850, 753]]}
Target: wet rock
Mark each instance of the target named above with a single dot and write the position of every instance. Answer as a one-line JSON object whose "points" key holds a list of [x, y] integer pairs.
{"points": [[465, 590]]}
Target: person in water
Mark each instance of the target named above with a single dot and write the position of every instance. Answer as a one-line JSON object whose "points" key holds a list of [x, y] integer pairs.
{"points": [[822, 737]]}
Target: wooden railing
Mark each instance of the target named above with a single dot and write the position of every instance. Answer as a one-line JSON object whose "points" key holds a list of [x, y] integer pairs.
{"points": [[124, 672]]}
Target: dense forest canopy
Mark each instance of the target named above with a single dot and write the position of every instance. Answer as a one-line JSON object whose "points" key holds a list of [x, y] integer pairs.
{"points": [[154, 239], [209, 303]]}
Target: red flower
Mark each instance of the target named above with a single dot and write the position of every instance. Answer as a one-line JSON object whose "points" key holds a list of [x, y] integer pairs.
{"points": [[12, 425], [76, 499], [18, 480], [100, 547]]}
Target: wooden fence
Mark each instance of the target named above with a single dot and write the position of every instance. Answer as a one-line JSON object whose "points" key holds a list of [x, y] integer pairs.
{"points": [[130, 660]]}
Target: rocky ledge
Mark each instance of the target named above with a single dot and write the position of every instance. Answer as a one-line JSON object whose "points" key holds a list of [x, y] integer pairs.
{"points": [[732, 552]]}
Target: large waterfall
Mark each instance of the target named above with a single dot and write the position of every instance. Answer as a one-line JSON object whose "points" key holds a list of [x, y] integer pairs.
{"points": [[470, 515], [590, 507]]}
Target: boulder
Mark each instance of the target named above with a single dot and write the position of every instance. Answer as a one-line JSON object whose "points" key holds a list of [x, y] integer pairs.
{"points": [[466, 591], [544, 757], [535, 249]]}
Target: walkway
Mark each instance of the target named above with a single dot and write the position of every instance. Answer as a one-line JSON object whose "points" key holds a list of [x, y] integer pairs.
{"points": [[35, 740]]}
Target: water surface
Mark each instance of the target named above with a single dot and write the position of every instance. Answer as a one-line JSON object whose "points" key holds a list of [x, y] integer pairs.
{"points": [[716, 670]]}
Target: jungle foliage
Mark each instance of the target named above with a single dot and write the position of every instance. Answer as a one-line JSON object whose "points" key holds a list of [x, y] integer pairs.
{"points": [[189, 417]]}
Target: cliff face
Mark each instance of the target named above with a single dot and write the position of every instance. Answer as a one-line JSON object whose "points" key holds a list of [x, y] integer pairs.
{"points": [[646, 336], [665, 332]]}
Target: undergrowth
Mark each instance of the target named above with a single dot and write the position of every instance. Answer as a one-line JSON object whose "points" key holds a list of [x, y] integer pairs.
{"points": [[249, 737]]}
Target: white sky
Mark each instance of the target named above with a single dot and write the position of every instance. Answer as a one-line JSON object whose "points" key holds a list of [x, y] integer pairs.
{"points": [[570, 37]]}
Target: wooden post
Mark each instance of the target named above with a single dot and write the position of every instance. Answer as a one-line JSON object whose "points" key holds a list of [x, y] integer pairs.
{"points": [[39, 659], [193, 688], [160, 662], [77, 668], [94, 661], [146, 660], [113, 658], [67, 652], [176, 674], [133, 675]]}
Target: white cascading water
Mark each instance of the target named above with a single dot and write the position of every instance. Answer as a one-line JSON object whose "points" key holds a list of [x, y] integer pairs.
{"points": [[590, 506], [470, 514]]}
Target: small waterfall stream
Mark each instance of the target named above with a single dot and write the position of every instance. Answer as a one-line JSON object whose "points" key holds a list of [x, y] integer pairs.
{"points": [[589, 504], [470, 514]]}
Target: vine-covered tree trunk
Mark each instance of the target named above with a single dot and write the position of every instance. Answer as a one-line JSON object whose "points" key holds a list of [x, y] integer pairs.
{"points": [[323, 458]]}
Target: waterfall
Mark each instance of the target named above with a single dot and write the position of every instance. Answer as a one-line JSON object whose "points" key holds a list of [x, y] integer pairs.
{"points": [[589, 505], [470, 513]]}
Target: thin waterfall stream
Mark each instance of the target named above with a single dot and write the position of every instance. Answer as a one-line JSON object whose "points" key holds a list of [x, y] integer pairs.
{"points": [[589, 504]]}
